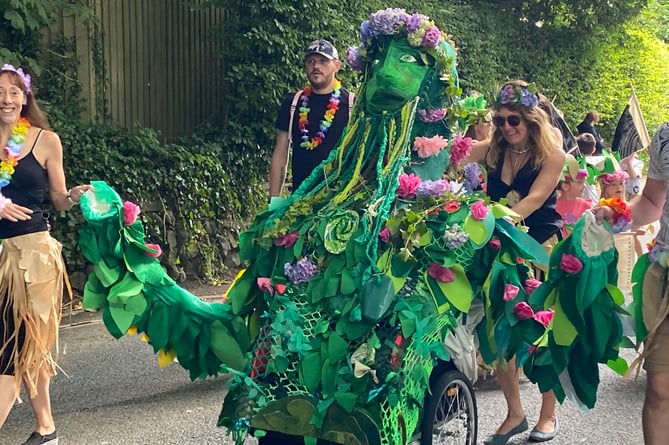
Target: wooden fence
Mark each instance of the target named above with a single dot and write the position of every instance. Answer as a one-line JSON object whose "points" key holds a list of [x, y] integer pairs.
{"points": [[161, 68]]}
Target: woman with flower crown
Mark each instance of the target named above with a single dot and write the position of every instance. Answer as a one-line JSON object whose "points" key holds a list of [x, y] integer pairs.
{"points": [[524, 162], [31, 266]]}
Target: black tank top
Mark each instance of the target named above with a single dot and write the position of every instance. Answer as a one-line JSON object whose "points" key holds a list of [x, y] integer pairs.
{"points": [[28, 189], [543, 222]]}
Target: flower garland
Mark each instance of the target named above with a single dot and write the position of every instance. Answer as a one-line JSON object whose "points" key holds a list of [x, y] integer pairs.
{"points": [[622, 218], [303, 122], [12, 151], [518, 95]]}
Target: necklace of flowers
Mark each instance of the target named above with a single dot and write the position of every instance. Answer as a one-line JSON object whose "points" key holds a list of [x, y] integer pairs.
{"points": [[12, 151], [303, 122]]}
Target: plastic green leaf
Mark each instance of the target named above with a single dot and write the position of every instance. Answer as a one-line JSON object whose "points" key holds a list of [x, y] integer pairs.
{"points": [[479, 231], [459, 291], [616, 295]]}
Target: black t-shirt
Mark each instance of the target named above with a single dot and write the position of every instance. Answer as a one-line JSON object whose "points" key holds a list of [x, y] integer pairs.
{"points": [[305, 161]]}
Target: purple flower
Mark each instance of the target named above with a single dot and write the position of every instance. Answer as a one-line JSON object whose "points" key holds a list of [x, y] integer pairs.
{"points": [[529, 99], [433, 188], [507, 94], [431, 37], [454, 236], [472, 175], [301, 272], [434, 115], [413, 23], [367, 32], [388, 21], [354, 59]]}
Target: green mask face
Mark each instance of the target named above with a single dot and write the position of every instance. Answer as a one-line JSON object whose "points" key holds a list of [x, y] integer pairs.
{"points": [[396, 77]]}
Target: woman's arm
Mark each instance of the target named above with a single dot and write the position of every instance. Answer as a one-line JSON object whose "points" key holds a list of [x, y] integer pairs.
{"points": [[478, 152]]}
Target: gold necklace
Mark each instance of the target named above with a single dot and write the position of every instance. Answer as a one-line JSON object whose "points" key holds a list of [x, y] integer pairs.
{"points": [[515, 151]]}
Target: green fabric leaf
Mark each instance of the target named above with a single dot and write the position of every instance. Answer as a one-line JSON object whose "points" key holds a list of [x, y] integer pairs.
{"points": [[479, 232], [346, 400], [225, 346], [95, 294], [136, 304], [309, 371], [336, 347], [616, 294], [459, 291], [241, 293], [128, 287], [563, 330], [107, 275], [122, 318]]}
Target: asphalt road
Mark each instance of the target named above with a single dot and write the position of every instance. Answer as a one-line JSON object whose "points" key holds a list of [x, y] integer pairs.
{"points": [[112, 392]]}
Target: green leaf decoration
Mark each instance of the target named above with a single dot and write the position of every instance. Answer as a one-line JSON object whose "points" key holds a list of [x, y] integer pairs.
{"points": [[336, 347], [95, 294], [459, 291], [377, 296], [346, 400], [401, 266], [107, 275], [479, 232], [226, 347], [122, 318], [136, 304], [616, 294], [128, 287], [308, 368], [564, 331], [339, 230]]}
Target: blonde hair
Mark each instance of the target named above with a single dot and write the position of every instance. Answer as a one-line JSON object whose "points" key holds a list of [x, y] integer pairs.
{"points": [[540, 133]]}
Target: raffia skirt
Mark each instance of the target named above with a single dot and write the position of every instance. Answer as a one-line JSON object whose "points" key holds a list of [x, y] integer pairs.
{"points": [[31, 292]]}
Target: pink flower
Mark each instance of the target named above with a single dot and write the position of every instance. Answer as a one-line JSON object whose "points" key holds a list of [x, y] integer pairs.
{"points": [[495, 243], [431, 37], [155, 247], [408, 185], [460, 149], [130, 213], [433, 115], [427, 147], [532, 349], [570, 264], [523, 311], [280, 288], [510, 292], [265, 285], [452, 206], [286, 240], [544, 317], [440, 273], [384, 234], [531, 285], [479, 210]]}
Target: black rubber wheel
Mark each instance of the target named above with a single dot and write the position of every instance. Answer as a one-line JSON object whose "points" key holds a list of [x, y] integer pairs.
{"points": [[450, 415]]}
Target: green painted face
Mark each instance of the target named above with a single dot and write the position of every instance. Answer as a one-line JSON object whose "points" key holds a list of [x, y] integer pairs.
{"points": [[396, 77]]}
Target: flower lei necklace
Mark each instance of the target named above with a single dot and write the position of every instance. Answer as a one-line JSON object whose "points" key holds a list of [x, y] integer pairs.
{"points": [[12, 151], [303, 122]]}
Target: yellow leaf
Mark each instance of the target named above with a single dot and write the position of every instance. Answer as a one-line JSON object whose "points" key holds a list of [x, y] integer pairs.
{"points": [[166, 358]]}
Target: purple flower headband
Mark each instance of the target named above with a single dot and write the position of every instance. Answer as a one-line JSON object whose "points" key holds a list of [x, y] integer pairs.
{"points": [[514, 94], [24, 76], [419, 29]]}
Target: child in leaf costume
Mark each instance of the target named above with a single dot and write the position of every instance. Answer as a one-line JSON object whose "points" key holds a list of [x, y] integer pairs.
{"points": [[353, 282]]}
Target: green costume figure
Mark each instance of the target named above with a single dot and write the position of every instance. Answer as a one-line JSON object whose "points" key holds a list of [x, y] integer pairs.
{"points": [[357, 282]]}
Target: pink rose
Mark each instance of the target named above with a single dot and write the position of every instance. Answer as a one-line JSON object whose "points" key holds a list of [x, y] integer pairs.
{"points": [[544, 317], [155, 247], [440, 273], [570, 264], [479, 210], [130, 213], [495, 244], [523, 311], [286, 240], [265, 285], [531, 285], [532, 349], [427, 147], [408, 185], [460, 149], [384, 234], [510, 292], [431, 37]]}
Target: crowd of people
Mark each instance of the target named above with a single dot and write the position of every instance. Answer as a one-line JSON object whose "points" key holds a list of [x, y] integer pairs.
{"points": [[516, 142]]}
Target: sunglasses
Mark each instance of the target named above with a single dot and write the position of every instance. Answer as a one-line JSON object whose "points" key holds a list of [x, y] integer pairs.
{"points": [[513, 120]]}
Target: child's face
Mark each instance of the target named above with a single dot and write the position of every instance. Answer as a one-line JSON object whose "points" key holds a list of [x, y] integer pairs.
{"points": [[573, 189], [616, 188]]}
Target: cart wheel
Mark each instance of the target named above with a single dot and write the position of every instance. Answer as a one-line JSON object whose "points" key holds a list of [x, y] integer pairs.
{"points": [[450, 415]]}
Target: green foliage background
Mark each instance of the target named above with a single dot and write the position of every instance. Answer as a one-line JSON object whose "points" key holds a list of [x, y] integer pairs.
{"points": [[197, 192]]}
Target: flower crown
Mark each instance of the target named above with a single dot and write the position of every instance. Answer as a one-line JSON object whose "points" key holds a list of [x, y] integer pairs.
{"points": [[526, 96], [609, 178], [419, 29], [581, 174], [24, 76]]}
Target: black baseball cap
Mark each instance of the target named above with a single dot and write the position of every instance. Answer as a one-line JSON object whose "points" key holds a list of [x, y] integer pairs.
{"points": [[322, 47]]}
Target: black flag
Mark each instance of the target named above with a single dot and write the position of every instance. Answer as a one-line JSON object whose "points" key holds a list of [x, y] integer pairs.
{"points": [[631, 134]]}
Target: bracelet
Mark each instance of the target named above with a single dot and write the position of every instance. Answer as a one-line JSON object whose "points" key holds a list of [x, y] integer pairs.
{"points": [[69, 198]]}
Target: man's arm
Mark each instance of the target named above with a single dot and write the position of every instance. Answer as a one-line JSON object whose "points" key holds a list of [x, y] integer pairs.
{"points": [[279, 164], [647, 207]]}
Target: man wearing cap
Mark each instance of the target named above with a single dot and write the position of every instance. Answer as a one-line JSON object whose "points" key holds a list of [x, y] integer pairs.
{"points": [[312, 120]]}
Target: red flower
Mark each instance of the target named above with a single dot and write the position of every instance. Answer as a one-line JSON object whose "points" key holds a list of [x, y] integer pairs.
{"points": [[570, 264], [523, 311], [495, 244], [544, 317], [452, 206], [384, 234], [408, 185], [510, 292], [440, 273], [531, 285], [265, 285], [130, 213], [286, 240], [532, 349]]}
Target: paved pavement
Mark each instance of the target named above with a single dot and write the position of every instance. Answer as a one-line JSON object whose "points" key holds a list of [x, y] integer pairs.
{"points": [[112, 392]]}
